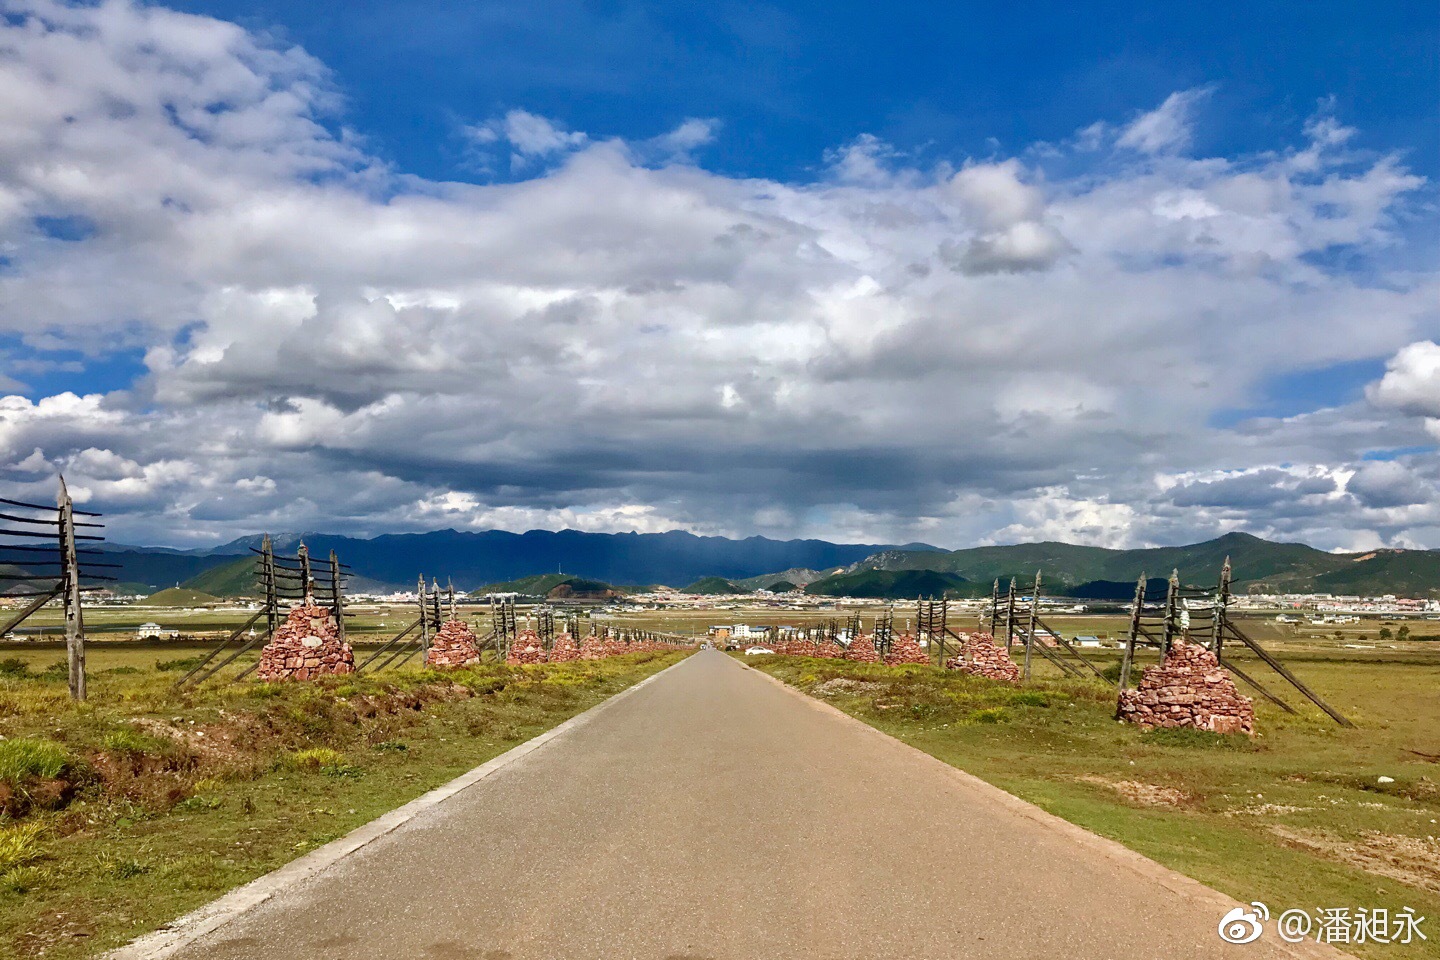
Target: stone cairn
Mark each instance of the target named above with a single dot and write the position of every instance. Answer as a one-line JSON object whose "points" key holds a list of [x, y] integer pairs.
{"points": [[592, 648], [453, 646], [862, 649], [564, 649], [981, 656], [614, 646], [830, 649], [906, 649], [526, 648], [1188, 689], [307, 645]]}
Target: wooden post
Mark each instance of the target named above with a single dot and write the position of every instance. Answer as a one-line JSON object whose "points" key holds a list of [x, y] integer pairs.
{"points": [[1221, 612], [337, 597], [450, 585], [1172, 614], [1128, 659], [424, 618], [306, 580], [70, 580], [272, 596], [1010, 617], [1034, 615]]}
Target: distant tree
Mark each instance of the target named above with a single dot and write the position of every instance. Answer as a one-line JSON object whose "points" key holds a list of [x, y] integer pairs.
{"points": [[1339, 635], [1385, 633], [1403, 633]]}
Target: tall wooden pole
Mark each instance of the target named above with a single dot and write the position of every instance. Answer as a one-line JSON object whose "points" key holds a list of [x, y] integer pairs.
{"points": [[1034, 615], [70, 573], [272, 594], [424, 619], [305, 578], [1221, 612], [1010, 616], [1172, 613], [944, 629], [1128, 660], [337, 597]]}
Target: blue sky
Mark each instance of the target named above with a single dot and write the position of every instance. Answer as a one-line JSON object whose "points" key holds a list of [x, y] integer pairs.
{"points": [[1123, 274], [791, 81]]}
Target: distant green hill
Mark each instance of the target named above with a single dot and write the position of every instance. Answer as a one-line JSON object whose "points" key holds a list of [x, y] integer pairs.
{"points": [[799, 576], [897, 585], [554, 586], [180, 597], [1258, 564], [233, 579], [1414, 573], [781, 586], [714, 585], [1117, 589]]}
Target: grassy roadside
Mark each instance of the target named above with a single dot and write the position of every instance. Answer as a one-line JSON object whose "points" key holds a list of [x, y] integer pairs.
{"points": [[1297, 818], [126, 811]]}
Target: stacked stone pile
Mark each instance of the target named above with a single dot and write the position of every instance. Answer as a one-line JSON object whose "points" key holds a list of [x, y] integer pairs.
{"points": [[981, 656], [526, 648], [862, 650], [453, 646], [1188, 689], [592, 648], [564, 649], [906, 649], [614, 646], [829, 648], [307, 645]]}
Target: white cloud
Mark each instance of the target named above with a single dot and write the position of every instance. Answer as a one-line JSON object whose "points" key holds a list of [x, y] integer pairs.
{"points": [[1167, 128], [688, 137], [1411, 383], [533, 135], [990, 351]]}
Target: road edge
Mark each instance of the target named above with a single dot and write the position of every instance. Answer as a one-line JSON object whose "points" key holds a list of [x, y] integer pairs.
{"points": [[1112, 850], [202, 921]]}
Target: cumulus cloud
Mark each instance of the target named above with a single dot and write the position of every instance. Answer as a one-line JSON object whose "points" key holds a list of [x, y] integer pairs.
{"points": [[622, 339], [1411, 384], [1009, 214]]}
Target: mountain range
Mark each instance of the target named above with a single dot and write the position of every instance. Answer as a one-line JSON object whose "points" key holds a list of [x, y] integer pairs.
{"points": [[475, 559], [1259, 566], [472, 560]]}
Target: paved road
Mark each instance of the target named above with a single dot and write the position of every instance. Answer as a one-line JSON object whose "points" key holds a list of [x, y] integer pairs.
{"points": [[714, 814]]}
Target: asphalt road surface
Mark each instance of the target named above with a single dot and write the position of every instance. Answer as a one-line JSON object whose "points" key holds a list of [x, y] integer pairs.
{"points": [[713, 813]]}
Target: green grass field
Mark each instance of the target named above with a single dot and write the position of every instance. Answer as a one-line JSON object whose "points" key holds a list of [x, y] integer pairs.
{"points": [[1298, 817], [145, 802]]}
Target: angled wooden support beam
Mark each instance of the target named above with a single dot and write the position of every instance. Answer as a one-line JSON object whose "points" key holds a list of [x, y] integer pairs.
{"points": [[1295, 681], [216, 652], [29, 609], [1255, 684]]}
